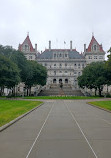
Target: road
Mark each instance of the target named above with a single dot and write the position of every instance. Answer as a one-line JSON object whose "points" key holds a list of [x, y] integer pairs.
{"points": [[59, 129]]}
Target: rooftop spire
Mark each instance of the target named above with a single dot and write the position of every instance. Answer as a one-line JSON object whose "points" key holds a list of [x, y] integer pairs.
{"points": [[27, 33], [92, 34]]}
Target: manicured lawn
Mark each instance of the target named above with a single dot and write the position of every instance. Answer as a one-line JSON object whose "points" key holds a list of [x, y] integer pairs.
{"points": [[61, 97], [11, 109], [102, 104]]}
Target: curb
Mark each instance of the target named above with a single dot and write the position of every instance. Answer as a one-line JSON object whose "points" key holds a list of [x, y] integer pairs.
{"points": [[18, 118], [99, 107]]}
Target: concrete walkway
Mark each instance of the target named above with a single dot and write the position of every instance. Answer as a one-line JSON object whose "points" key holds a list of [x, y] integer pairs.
{"points": [[59, 129]]}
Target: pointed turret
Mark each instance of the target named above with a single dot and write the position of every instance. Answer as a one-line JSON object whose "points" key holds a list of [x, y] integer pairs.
{"points": [[94, 46], [94, 52], [28, 50], [26, 45]]}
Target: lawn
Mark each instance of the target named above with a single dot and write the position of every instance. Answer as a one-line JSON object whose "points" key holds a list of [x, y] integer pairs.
{"points": [[102, 104], [61, 97], [11, 109]]}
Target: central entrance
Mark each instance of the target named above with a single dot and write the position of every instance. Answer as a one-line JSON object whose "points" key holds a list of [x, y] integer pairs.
{"points": [[60, 80]]}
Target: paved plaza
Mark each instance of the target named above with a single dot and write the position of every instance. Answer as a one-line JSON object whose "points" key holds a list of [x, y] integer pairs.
{"points": [[59, 129]]}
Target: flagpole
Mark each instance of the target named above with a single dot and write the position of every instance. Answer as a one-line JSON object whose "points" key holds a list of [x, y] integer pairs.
{"points": [[64, 44]]}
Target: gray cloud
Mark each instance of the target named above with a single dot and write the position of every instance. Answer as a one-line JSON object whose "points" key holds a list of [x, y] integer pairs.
{"points": [[55, 20]]}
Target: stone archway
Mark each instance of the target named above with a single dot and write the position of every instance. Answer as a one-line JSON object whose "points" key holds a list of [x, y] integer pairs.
{"points": [[66, 80], [54, 80], [60, 80]]}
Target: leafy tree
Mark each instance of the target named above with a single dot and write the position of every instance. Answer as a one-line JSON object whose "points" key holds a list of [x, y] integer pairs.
{"points": [[9, 73], [108, 68], [37, 75], [19, 59], [94, 76], [31, 73]]}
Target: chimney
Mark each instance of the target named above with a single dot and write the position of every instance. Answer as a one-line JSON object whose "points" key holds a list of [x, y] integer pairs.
{"points": [[36, 47], [70, 45], [49, 45], [84, 47]]}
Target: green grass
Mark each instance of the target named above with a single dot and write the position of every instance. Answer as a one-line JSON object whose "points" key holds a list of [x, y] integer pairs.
{"points": [[102, 104], [11, 109], [61, 97]]}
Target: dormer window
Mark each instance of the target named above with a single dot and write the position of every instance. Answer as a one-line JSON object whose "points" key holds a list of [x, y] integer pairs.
{"points": [[95, 47], [26, 47], [66, 55], [60, 55]]}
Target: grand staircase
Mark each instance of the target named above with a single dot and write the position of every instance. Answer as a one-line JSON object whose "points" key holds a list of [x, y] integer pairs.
{"points": [[55, 90]]}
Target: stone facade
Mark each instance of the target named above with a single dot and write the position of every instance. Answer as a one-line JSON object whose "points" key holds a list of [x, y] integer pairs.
{"points": [[64, 65]]}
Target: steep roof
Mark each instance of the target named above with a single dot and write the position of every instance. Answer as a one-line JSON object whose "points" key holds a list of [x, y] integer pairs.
{"points": [[93, 40], [27, 41], [72, 54]]}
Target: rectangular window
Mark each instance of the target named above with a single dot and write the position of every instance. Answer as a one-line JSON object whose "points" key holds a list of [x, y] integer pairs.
{"points": [[30, 57], [95, 57], [66, 55], [100, 57], [90, 57], [54, 72]]}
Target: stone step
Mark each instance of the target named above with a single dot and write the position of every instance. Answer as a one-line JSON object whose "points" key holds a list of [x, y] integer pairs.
{"points": [[59, 91]]}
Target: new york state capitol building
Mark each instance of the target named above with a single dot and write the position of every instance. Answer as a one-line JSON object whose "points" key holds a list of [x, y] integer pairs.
{"points": [[64, 65]]}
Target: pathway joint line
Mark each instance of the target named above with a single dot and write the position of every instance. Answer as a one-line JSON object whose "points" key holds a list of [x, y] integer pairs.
{"points": [[82, 132], [39, 132]]}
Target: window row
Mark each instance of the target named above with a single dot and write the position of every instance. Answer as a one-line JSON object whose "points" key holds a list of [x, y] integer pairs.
{"points": [[60, 55], [75, 72], [95, 57], [60, 65]]}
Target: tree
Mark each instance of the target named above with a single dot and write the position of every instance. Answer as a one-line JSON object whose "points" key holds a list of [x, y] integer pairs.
{"points": [[9, 73], [94, 76], [31, 73], [37, 75], [19, 59], [108, 68]]}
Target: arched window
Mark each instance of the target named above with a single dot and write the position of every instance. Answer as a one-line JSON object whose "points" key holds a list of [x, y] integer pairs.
{"points": [[60, 80], [54, 72], [66, 80], [60, 65], [54, 80], [66, 55], [26, 47], [95, 47]]}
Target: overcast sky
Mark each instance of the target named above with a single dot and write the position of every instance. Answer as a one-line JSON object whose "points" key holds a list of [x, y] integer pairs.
{"points": [[55, 20]]}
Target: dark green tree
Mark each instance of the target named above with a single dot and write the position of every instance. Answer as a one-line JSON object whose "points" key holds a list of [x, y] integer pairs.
{"points": [[9, 74], [19, 59], [93, 76], [37, 75], [108, 68]]}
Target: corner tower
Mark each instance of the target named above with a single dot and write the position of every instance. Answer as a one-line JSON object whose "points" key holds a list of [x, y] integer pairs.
{"points": [[94, 52], [28, 50]]}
